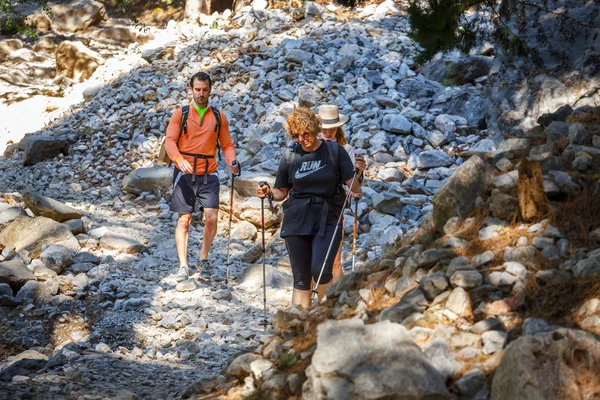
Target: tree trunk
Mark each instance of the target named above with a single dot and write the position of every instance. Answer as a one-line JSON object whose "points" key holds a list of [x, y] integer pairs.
{"points": [[533, 203], [193, 8]]}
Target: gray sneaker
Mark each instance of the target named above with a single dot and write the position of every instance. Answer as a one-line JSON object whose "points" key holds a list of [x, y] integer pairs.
{"points": [[205, 268], [182, 274]]}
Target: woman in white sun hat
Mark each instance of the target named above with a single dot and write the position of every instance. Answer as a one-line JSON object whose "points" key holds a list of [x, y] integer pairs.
{"points": [[331, 130]]}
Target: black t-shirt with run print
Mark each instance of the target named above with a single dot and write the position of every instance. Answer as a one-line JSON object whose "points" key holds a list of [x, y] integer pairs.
{"points": [[311, 175]]}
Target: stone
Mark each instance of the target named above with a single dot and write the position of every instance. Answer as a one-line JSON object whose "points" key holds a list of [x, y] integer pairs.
{"points": [[560, 371], [504, 207], [471, 383], [556, 130], [433, 285], [441, 358], [29, 292], [244, 231], [588, 267], [533, 326], [9, 214], [396, 123], [565, 183], [413, 301], [31, 233], [487, 325], [77, 16], [240, 365], [75, 61], [370, 365], [189, 285], [493, 341], [466, 279], [459, 302], [42, 147], [252, 277], [15, 274], [579, 135], [148, 180], [506, 181], [122, 243], [50, 208], [457, 196], [433, 159], [57, 258], [388, 202], [347, 283], [432, 256], [457, 71]]}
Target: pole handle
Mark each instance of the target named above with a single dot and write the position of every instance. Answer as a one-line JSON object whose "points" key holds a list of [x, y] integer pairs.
{"points": [[239, 173]]}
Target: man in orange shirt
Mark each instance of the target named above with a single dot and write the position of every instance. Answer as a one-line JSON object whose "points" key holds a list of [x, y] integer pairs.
{"points": [[195, 180]]}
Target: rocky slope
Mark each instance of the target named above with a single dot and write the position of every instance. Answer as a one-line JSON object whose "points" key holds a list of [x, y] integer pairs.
{"points": [[461, 256]]}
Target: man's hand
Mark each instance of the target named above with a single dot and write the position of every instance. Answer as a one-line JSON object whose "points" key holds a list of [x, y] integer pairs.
{"points": [[234, 168], [184, 166]]}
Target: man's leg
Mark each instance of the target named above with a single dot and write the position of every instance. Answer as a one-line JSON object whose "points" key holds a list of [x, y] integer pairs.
{"points": [[211, 216], [181, 237]]}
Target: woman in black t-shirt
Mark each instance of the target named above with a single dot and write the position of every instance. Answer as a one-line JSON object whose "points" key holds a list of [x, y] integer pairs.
{"points": [[315, 201]]}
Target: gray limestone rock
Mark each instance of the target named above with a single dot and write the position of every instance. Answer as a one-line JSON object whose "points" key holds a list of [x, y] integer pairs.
{"points": [[371, 364]]}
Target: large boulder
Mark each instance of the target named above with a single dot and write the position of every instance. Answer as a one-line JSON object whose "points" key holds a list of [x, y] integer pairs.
{"points": [[122, 243], [43, 147], [560, 66], [148, 180], [549, 365], [357, 361], [15, 273], [9, 213], [75, 61], [457, 70], [32, 233], [77, 16], [252, 277], [47, 207], [457, 196]]}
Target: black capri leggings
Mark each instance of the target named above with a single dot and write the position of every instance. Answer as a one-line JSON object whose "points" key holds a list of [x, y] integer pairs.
{"points": [[307, 254]]}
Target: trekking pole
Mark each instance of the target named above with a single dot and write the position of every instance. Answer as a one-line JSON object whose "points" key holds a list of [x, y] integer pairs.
{"points": [[354, 239], [337, 225], [264, 322], [234, 162]]}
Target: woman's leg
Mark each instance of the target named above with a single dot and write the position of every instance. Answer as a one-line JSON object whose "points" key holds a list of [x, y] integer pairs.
{"points": [[320, 245], [338, 272], [300, 251]]}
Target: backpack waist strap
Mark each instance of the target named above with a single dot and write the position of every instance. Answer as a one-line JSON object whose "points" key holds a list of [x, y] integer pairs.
{"points": [[196, 157]]}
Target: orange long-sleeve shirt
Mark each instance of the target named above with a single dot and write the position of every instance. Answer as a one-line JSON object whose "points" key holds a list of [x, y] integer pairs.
{"points": [[200, 139]]}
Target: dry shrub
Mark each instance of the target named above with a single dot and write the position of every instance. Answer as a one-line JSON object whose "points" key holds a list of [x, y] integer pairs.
{"points": [[589, 116], [559, 302], [577, 216]]}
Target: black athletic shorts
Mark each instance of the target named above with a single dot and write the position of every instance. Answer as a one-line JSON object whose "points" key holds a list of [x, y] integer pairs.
{"points": [[189, 196], [307, 254]]}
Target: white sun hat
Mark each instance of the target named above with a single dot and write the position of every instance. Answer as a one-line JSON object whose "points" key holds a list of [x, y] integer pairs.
{"points": [[330, 116]]}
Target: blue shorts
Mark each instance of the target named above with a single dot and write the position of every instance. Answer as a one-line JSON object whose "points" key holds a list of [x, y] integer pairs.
{"points": [[189, 197]]}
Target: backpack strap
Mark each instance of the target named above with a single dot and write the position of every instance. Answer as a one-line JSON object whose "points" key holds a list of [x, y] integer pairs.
{"points": [[217, 115], [185, 111], [334, 157], [290, 155]]}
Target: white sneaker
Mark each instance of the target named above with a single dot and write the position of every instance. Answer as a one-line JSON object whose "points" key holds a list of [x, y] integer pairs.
{"points": [[182, 274]]}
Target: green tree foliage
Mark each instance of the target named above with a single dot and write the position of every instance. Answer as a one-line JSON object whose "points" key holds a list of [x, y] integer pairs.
{"points": [[13, 21], [444, 25]]}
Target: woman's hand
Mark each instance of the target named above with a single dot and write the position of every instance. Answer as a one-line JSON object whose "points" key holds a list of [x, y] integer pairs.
{"points": [[184, 166], [360, 163], [263, 191]]}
